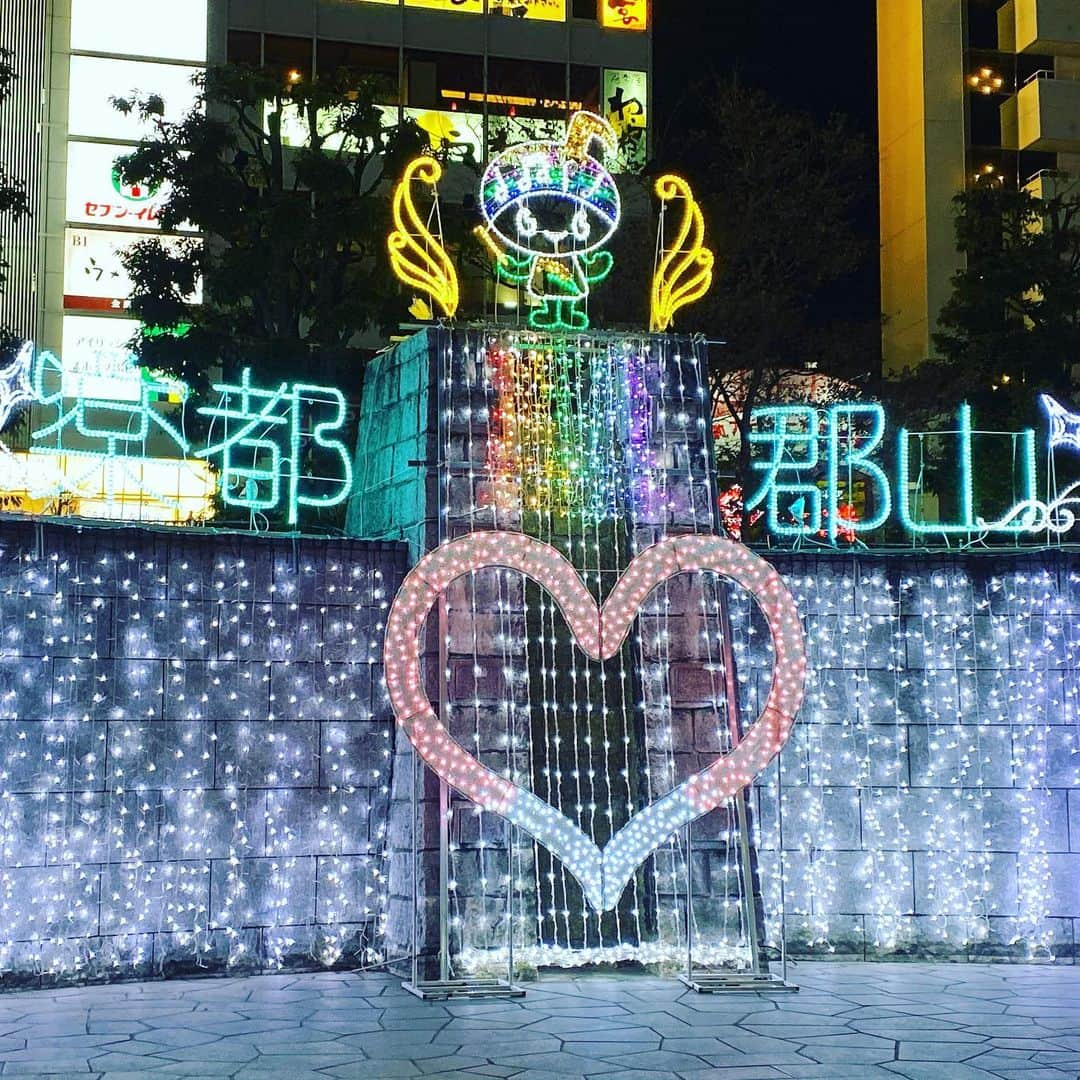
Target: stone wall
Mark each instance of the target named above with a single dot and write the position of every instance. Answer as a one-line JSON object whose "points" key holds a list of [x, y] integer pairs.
{"points": [[194, 751], [931, 792]]}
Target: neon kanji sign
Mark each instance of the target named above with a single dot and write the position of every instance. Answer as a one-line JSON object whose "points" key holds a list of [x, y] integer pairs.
{"points": [[807, 460], [260, 438]]}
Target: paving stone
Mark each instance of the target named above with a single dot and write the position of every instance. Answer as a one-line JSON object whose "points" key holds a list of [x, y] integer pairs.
{"points": [[346, 1026], [919, 1070], [918, 1050], [735, 1072], [376, 1070]]}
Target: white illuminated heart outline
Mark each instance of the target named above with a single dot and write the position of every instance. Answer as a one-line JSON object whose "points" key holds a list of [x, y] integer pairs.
{"points": [[599, 632]]}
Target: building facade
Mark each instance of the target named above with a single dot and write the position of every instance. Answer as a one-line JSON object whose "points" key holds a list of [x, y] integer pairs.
{"points": [[970, 91], [476, 75]]}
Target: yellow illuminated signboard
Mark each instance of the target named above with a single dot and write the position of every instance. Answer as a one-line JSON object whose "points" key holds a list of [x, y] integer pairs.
{"points": [[548, 10], [473, 7], [624, 14], [543, 10]]}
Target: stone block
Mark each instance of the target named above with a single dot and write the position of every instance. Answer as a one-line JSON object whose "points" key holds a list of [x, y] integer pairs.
{"points": [[81, 828], [864, 883], [157, 629], [161, 754], [696, 685], [24, 829], [955, 756], [306, 821], [355, 753], [350, 889], [25, 692], [279, 755], [213, 824], [262, 892], [962, 883], [61, 755], [321, 691], [998, 817], [1062, 768], [219, 690], [269, 631], [1064, 895], [50, 902], [106, 689], [826, 818]]}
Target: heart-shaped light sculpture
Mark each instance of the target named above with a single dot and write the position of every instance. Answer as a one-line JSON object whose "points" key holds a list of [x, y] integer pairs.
{"points": [[599, 632]]}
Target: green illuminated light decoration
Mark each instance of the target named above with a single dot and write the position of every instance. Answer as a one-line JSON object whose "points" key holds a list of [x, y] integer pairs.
{"points": [[550, 207], [92, 457], [815, 457], [266, 440]]}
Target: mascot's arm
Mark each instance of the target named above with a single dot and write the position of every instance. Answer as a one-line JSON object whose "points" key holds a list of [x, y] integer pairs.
{"points": [[514, 269], [597, 266]]}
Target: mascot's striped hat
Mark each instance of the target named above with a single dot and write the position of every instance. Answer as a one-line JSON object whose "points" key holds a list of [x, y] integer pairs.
{"points": [[565, 169]]}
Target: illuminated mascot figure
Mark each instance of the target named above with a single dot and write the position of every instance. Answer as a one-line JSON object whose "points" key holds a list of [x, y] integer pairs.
{"points": [[550, 207]]}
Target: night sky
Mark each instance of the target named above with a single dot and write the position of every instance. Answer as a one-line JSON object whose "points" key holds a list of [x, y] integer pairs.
{"points": [[816, 56]]}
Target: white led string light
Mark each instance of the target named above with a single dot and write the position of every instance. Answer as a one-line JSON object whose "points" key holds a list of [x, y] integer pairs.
{"points": [[136, 847]]}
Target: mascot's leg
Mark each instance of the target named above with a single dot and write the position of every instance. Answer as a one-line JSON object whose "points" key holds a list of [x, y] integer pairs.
{"points": [[571, 316], [545, 316]]}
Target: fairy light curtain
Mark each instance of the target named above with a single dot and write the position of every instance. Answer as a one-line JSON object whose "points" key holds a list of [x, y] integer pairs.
{"points": [[193, 753], [596, 445]]}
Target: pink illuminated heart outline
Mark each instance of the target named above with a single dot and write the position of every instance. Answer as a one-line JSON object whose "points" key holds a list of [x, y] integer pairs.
{"points": [[599, 633]]}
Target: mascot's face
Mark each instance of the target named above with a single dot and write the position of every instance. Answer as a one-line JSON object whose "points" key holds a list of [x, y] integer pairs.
{"points": [[537, 200]]}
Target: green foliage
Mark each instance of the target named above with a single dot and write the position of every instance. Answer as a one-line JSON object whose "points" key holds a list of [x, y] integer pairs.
{"points": [[1012, 325], [782, 196], [294, 263], [14, 203]]}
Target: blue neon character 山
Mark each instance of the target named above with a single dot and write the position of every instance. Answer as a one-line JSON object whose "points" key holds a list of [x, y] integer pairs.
{"points": [[550, 207]]}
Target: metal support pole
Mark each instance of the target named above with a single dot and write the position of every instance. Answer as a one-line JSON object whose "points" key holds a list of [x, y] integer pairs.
{"points": [[756, 979], [731, 693], [780, 863], [416, 772], [510, 902], [444, 799], [689, 900]]}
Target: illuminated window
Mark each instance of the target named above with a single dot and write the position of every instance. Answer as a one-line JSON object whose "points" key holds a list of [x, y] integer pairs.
{"points": [[544, 10], [94, 80], [96, 195], [444, 81], [367, 61], [94, 276], [471, 7], [290, 56], [161, 28], [534, 89]]}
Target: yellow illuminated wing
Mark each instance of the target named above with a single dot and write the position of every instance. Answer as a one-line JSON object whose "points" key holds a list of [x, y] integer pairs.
{"points": [[417, 257], [685, 271]]}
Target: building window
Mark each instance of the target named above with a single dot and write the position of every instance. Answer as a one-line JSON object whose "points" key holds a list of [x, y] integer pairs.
{"points": [[584, 9], [544, 10], [584, 87], [290, 56], [368, 61], [245, 47]]}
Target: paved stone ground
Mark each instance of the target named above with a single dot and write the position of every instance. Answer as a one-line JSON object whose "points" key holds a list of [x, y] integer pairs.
{"points": [[919, 1021]]}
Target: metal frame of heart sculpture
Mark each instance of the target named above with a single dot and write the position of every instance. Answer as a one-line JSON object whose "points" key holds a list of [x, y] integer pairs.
{"points": [[600, 633]]}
